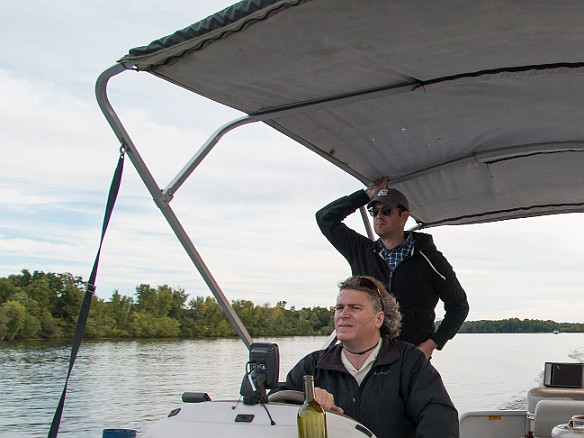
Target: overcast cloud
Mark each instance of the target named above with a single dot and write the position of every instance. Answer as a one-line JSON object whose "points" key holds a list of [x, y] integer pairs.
{"points": [[249, 208]]}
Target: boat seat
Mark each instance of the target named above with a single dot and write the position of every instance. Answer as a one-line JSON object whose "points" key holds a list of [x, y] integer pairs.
{"points": [[539, 393], [549, 413]]}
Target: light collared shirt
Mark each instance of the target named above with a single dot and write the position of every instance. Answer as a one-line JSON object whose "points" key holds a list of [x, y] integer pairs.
{"points": [[359, 374]]}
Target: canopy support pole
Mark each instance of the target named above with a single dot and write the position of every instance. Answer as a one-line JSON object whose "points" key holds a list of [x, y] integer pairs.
{"points": [[366, 222], [162, 201]]}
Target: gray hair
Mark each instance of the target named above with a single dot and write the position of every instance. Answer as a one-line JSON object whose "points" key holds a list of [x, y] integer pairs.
{"points": [[380, 300]]}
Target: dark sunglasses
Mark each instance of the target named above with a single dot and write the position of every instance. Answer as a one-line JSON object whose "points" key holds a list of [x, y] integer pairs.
{"points": [[366, 283], [386, 211]]}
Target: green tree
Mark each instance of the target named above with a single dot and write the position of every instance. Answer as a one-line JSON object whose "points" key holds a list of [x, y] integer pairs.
{"points": [[7, 289], [14, 317], [177, 307], [162, 301], [68, 302], [120, 310], [146, 325]]}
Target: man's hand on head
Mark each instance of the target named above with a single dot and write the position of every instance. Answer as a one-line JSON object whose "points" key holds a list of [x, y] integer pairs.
{"points": [[381, 183]]}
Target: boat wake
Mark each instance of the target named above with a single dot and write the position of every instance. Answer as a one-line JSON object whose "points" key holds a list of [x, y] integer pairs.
{"points": [[519, 401], [577, 354]]}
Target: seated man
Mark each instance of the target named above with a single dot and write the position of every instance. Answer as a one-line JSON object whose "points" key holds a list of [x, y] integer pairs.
{"points": [[387, 385]]}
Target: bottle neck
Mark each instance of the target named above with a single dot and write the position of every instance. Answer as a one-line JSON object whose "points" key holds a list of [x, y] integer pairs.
{"points": [[308, 389]]}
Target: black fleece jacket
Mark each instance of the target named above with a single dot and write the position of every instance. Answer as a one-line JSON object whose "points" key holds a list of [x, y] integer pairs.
{"points": [[418, 282], [402, 396]]}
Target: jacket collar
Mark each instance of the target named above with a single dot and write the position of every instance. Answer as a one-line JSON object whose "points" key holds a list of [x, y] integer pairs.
{"points": [[422, 241], [331, 359]]}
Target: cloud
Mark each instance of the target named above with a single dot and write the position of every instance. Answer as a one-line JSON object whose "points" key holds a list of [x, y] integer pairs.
{"points": [[249, 208]]}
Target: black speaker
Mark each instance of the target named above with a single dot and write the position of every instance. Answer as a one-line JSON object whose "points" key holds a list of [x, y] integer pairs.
{"points": [[565, 375]]}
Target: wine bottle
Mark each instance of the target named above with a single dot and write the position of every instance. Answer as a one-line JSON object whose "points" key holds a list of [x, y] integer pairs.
{"points": [[311, 415]]}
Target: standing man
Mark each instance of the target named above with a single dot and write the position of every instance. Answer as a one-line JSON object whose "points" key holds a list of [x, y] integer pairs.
{"points": [[407, 263], [387, 385]]}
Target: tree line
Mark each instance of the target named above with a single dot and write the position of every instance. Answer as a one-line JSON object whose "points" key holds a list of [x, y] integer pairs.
{"points": [[43, 305], [516, 325]]}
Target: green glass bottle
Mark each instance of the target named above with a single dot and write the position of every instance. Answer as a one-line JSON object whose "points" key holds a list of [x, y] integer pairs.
{"points": [[311, 416]]}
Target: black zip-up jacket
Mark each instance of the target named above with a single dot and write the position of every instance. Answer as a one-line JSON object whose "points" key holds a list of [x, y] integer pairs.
{"points": [[402, 396], [418, 282]]}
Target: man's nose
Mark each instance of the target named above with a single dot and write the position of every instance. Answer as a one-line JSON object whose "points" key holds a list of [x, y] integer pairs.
{"points": [[345, 312]]}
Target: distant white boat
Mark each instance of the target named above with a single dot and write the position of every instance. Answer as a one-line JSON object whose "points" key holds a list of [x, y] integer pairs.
{"points": [[556, 332]]}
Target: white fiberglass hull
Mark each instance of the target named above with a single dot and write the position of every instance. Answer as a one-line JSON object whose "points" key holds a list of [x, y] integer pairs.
{"points": [[233, 419]]}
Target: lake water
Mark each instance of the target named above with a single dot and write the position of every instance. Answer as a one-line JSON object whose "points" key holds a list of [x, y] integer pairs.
{"points": [[131, 384]]}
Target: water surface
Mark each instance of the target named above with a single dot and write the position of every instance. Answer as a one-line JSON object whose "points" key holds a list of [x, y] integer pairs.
{"points": [[130, 384]]}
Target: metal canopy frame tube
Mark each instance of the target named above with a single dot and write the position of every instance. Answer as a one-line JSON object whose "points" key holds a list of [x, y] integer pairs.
{"points": [[192, 164], [366, 222], [132, 153]]}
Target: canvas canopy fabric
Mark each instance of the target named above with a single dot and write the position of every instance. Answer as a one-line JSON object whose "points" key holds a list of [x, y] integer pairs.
{"points": [[475, 109]]}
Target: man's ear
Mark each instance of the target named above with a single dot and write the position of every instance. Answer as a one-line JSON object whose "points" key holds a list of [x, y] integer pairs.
{"points": [[379, 318]]}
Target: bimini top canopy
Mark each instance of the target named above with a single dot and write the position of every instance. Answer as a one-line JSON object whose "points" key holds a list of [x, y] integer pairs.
{"points": [[476, 109]]}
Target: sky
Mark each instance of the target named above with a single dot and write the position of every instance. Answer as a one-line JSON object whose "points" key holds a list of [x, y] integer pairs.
{"points": [[249, 208]]}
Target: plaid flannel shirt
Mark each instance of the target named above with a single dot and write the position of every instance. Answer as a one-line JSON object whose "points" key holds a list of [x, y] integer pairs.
{"points": [[394, 256]]}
